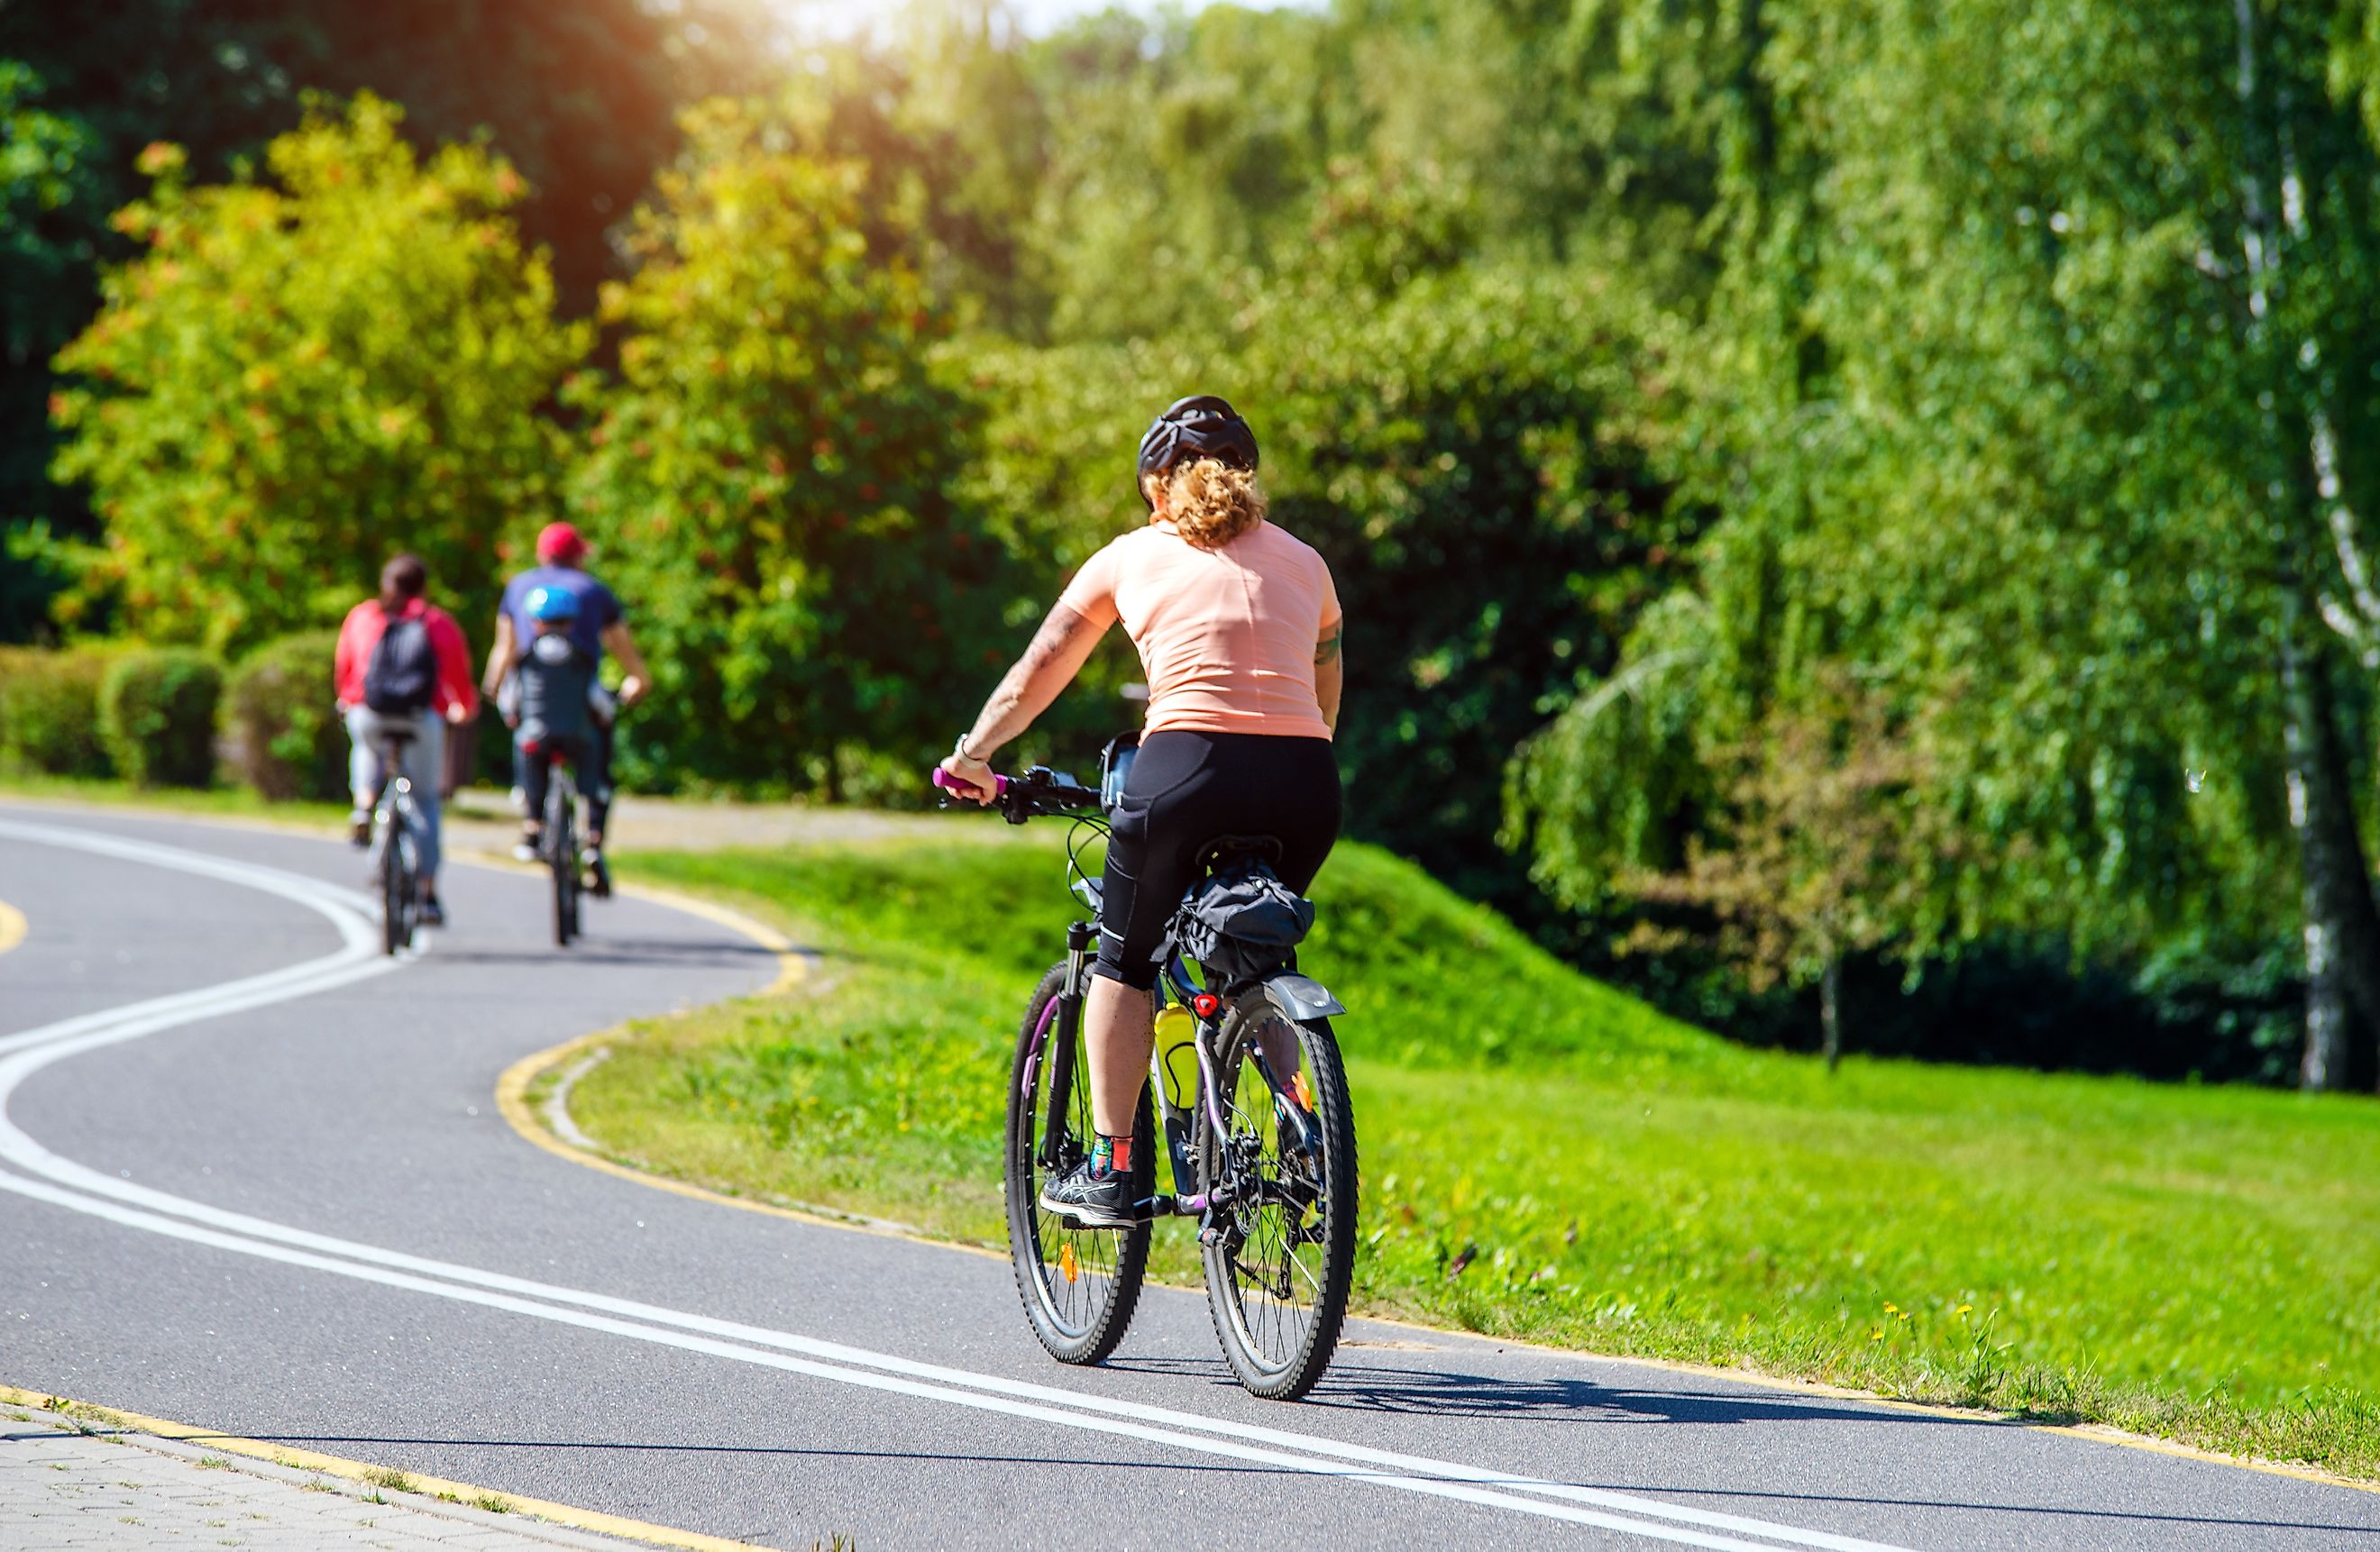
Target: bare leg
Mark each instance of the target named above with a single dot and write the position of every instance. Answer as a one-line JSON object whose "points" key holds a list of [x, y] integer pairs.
{"points": [[1119, 1034]]}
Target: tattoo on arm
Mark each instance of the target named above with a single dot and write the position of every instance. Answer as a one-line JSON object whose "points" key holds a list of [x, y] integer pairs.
{"points": [[1327, 650], [1050, 641]]}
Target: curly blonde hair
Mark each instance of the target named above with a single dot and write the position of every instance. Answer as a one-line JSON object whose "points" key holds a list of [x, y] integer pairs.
{"points": [[1210, 502]]}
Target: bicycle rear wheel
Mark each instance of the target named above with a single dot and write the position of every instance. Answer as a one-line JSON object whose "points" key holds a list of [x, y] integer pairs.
{"points": [[394, 886], [562, 859], [1280, 1250], [1079, 1285]]}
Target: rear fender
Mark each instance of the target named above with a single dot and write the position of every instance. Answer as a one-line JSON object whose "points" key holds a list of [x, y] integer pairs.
{"points": [[1301, 997]]}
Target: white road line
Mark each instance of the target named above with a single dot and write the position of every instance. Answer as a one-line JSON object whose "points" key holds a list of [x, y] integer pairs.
{"points": [[87, 1190]]}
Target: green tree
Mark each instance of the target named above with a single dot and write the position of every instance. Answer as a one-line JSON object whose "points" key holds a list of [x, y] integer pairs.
{"points": [[306, 373], [45, 177], [1823, 846], [770, 476], [581, 97], [2040, 363]]}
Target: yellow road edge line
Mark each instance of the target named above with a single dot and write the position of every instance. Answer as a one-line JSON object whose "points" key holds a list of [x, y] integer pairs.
{"points": [[2103, 1432], [12, 927], [513, 1083], [569, 1515], [2097, 1433]]}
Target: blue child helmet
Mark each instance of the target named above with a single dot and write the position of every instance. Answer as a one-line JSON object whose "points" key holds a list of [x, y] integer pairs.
{"points": [[552, 604]]}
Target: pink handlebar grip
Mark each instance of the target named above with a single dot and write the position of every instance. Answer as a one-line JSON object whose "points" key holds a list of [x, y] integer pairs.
{"points": [[949, 782]]}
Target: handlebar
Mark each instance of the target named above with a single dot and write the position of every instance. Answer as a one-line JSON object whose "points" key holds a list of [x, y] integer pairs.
{"points": [[1040, 791], [949, 784]]}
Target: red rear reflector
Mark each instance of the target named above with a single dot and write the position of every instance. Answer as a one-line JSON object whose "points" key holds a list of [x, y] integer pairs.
{"points": [[1205, 1003]]}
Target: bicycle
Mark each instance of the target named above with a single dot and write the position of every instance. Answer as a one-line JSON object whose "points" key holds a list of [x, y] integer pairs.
{"points": [[397, 846], [558, 847], [1264, 1158]]}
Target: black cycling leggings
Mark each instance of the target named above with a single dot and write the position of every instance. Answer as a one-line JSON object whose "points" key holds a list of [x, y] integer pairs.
{"points": [[1186, 789]]}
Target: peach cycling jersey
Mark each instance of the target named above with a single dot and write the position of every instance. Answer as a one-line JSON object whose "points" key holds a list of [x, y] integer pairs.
{"points": [[1226, 635]]}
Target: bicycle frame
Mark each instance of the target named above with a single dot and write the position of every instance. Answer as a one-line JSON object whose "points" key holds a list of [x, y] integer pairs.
{"points": [[1066, 1013]]}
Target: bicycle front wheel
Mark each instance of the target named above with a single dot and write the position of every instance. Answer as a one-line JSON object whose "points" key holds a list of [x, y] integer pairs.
{"points": [[1280, 1241], [1079, 1285]]}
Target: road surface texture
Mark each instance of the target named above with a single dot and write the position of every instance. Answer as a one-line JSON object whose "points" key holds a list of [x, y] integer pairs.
{"points": [[252, 1177]]}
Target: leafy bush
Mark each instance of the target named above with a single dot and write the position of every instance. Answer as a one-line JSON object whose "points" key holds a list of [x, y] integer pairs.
{"points": [[49, 712], [285, 733], [157, 716], [385, 340]]}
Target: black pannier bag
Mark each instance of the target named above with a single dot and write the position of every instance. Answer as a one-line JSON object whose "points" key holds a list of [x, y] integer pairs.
{"points": [[1244, 925]]}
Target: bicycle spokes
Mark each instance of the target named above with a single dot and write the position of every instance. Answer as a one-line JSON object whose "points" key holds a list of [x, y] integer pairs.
{"points": [[1079, 1284], [1272, 1226]]}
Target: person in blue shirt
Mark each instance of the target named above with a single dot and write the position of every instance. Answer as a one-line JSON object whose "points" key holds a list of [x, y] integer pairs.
{"points": [[595, 624]]}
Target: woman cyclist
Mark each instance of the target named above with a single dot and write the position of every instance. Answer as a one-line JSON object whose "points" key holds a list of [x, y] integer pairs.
{"points": [[1237, 626]]}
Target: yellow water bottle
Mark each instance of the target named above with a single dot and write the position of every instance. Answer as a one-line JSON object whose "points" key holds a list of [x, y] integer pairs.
{"points": [[1177, 1055]]}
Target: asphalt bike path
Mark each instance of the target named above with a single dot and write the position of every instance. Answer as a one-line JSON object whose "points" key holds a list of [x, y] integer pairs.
{"points": [[253, 1176]]}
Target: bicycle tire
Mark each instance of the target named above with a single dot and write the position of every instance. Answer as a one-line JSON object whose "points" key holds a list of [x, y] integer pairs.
{"points": [[393, 933], [1074, 1324], [562, 861], [409, 870], [1293, 1368]]}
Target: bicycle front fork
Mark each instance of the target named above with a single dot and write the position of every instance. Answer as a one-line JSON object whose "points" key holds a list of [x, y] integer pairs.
{"points": [[1068, 1043]]}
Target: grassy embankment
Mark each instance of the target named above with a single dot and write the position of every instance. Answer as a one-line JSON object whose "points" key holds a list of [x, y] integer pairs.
{"points": [[2200, 1263]]}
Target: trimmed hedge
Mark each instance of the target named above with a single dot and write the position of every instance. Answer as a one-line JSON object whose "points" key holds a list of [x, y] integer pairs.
{"points": [[157, 716], [285, 733], [49, 711]]}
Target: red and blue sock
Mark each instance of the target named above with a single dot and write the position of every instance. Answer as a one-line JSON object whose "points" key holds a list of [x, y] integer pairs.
{"points": [[1112, 1155]]}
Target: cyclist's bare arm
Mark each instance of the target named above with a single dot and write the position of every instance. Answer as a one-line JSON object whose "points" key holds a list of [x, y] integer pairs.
{"points": [[635, 678], [1059, 650], [501, 655], [1329, 672]]}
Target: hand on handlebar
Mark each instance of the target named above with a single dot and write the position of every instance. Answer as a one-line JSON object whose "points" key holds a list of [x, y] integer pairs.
{"points": [[632, 690], [971, 779]]}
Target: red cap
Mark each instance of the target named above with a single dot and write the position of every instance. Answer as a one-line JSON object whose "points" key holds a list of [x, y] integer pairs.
{"points": [[560, 541]]}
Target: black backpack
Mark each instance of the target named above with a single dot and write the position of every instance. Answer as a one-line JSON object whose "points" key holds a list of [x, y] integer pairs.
{"points": [[403, 674]]}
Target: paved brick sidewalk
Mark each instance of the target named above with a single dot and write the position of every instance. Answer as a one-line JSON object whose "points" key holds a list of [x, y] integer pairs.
{"points": [[61, 1490]]}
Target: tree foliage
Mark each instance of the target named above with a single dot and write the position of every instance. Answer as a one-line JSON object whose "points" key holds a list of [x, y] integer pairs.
{"points": [[308, 372], [2039, 364], [770, 476]]}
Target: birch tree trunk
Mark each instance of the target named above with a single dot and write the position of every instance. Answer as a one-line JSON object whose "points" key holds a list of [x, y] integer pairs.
{"points": [[2342, 928]]}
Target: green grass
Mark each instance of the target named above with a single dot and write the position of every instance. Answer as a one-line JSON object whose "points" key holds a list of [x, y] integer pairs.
{"points": [[2199, 1263]]}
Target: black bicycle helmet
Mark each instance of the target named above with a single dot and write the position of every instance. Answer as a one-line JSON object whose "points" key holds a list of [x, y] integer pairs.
{"points": [[1202, 426]]}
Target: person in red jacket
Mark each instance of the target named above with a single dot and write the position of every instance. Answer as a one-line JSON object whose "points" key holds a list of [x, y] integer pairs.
{"points": [[403, 669]]}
